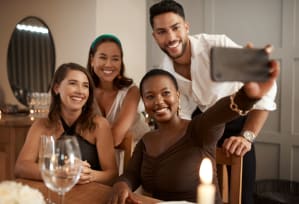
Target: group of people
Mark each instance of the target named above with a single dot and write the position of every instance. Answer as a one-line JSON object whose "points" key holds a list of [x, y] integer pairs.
{"points": [[192, 113]]}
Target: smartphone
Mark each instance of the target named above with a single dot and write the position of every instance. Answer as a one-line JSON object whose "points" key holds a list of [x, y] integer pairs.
{"points": [[239, 64]]}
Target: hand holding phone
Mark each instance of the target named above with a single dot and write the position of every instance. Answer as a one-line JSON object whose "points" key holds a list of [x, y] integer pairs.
{"points": [[239, 64]]}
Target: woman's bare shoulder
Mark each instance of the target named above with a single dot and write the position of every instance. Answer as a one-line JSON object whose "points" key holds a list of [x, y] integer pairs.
{"points": [[40, 126], [133, 90], [101, 121], [40, 122], [133, 87], [102, 130]]}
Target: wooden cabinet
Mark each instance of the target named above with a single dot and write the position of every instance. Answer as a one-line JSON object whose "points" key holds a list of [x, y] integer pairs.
{"points": [[13, 131]]}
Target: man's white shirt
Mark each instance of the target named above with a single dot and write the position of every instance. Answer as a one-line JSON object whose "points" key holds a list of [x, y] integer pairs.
{"points": [[201, 91]]}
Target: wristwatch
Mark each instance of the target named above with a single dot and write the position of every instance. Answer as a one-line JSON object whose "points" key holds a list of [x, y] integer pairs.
{"points": [[249, 135]]}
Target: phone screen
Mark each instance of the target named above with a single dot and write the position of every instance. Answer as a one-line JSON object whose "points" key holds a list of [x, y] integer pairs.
{"points": [[239, 64]]}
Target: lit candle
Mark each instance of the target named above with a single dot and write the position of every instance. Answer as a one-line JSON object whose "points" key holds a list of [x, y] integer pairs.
{"points": [[206, 190]]}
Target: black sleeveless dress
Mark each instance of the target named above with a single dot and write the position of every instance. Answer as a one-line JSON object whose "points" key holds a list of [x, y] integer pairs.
{"points": [[89, 151]]}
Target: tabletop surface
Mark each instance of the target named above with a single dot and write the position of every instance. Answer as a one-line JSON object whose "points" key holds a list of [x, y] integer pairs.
{"points": [[85, 193]]}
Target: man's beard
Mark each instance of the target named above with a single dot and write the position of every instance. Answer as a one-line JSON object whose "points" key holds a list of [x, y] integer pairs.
{"points": [[184, 45]]}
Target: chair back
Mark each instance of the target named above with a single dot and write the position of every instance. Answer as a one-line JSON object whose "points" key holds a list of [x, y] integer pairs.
{"points": [[230, 184]]}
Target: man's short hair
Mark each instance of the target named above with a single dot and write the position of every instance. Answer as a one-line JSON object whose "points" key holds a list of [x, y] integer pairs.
{"points": [[165, 6]]}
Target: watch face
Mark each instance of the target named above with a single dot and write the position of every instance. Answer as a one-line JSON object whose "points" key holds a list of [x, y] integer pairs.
{"points": [[250, 136]]}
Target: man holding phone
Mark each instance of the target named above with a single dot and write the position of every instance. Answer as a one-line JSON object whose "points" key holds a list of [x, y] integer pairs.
{"points": [[188, 59]]}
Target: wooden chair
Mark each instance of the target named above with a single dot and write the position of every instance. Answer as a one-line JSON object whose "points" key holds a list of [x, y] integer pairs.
{"points": [[230, 185], [126, 146]]}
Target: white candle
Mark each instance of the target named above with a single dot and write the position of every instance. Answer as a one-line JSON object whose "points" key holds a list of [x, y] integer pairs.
{"points": [[206, 190]]}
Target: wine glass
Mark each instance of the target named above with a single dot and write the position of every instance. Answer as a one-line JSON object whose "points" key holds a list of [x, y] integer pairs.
{"points": [[30, 103], [46, 149], [62, 171]]}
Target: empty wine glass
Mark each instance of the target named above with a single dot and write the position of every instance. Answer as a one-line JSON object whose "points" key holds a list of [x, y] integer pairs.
{"points": [[62, 171], [46, 149], [30, 103]]}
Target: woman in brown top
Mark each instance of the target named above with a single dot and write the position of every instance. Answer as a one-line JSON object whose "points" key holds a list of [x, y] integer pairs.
{"points": [[166, 161]]}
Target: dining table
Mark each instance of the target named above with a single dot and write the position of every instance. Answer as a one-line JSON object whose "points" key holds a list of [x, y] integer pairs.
{"points": [[91, 193]]}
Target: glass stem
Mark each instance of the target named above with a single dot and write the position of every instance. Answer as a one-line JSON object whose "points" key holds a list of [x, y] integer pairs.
{"points": [[61, 198], [48, 199]]}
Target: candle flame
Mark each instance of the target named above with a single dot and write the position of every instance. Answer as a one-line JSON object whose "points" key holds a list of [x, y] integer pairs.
{"points": [[206, 171]]}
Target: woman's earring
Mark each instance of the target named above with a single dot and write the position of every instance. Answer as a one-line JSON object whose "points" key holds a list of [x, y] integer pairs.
{"points": [[179, 107]]}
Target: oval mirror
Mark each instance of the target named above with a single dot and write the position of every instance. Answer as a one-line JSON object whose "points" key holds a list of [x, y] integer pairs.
{"points": [[30, 58]]}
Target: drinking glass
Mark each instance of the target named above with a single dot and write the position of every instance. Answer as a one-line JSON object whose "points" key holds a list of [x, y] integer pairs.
{"points": [[62, 170], [30, 102], [46, 149]]}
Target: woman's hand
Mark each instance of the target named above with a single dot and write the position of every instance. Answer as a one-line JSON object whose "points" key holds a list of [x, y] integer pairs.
{"points": [[122, 194], [86, 173]]}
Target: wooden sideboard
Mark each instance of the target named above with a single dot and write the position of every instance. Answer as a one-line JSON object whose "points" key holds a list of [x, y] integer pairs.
{"points": [[13, 131]]}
